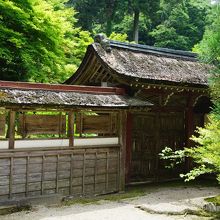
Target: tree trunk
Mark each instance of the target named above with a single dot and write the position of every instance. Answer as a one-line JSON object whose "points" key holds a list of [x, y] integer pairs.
{"points": [[109, 27], [136, 25], [110, 13]]}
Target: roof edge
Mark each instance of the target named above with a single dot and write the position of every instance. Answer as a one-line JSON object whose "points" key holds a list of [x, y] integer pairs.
{"points": [[61, 88]]}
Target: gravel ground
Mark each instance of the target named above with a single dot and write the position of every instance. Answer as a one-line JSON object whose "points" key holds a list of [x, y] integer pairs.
{"points": [[164, 200]]}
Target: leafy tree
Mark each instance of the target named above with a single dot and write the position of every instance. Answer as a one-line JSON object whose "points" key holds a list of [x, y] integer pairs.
{"points": [[38, 41], [207, 153], [147, 8], [182, 26], [98, 16], [117, 16], [118, 37]]}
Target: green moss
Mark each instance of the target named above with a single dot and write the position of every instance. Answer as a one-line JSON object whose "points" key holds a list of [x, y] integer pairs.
{"points": [[215, 200], [131, 193], [10, 210], [136, 191]]}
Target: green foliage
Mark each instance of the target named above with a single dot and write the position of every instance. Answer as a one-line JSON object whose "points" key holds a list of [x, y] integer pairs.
{"points": [[177, 24], [174, 157], [206, 155], [182, 26], [118, 37], [38, 41], [209, 50]]}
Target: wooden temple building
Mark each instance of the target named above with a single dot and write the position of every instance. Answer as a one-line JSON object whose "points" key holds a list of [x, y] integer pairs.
{"points": [[104, 128]]}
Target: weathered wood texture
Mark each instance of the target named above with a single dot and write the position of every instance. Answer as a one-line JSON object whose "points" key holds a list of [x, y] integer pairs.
{"points": [[41, 124], [101, 123], [151, 133], [82, 171], [2, 124], [11, 129]]}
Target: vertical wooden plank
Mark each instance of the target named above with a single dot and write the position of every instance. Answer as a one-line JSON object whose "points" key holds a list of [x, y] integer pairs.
{"points": [[122, 139], [107, 171], [118, 170], [27, 176], [71, 128], [23, 125], [60, 124], [157, 145], [189, 127], [11, 177], [71, 175], [11, 127], [81, 123], [42, 174], [57, 173], [128, 147], [110, 124], [84, 171], [95, 172]]}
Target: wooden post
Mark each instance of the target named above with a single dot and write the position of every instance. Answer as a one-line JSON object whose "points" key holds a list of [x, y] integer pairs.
{"points": [[11, 129], [189, 127], [71, 128], [122, 141], [128, 147], [157, 145]]}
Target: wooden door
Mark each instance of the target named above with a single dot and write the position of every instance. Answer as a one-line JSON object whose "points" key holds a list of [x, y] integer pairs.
{"points": [[143, 147], [152, 132]]}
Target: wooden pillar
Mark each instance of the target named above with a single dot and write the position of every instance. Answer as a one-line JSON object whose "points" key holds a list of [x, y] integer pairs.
{"points": [[71, 128], [189, 127], [122, 141], [157, 138], [11, 129], [128, 147]]}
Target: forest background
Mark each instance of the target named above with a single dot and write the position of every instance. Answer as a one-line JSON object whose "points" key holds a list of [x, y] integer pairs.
{"points": [[45, 40]]}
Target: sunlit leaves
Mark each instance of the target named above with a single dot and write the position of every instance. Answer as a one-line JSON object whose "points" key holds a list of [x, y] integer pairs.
{"points": [[38, 40]]}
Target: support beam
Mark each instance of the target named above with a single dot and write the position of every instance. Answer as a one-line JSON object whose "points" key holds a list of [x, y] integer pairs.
{"points": [[11, 130], [71, 128]]}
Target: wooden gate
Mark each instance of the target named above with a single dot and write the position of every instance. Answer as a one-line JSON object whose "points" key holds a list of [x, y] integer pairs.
{"points": [[151, 132]]}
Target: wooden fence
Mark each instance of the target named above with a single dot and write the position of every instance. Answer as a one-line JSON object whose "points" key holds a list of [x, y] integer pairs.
{"points": [[78, 171]]}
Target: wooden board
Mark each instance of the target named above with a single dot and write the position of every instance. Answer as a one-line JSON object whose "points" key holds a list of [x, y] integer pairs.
{"points": [[67, 171], [97, 124], [41, 124], [2, 124]]}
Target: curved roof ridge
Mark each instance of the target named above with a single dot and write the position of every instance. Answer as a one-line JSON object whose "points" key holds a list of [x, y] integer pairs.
{"points": [[154, 50]]}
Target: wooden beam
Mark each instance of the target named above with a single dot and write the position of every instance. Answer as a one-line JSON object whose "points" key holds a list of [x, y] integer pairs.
{"points": [[71, 128], [11, 129]]}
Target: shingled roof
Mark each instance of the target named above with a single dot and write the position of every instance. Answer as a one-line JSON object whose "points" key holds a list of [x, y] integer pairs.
{"points": [[146, 64], [27, 94]]}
